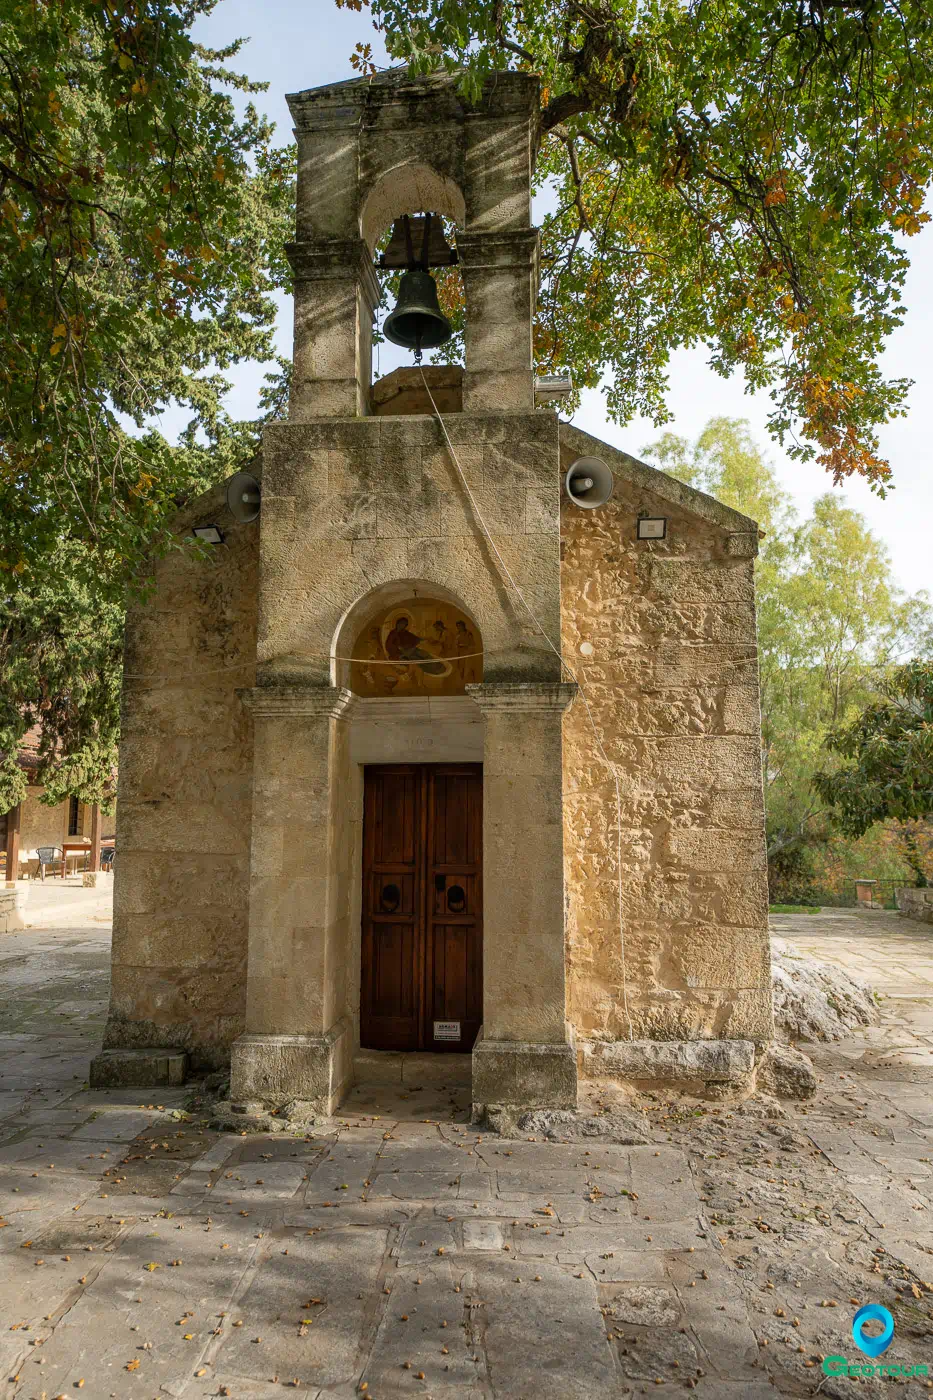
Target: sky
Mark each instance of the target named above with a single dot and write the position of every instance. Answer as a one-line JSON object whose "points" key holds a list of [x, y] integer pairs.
{"points": [[296, 44]]}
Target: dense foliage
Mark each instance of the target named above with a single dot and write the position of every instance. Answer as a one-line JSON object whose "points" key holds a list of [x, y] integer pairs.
{"points": [[736, 173], [60, 654], [886, 750], [142, 225]]}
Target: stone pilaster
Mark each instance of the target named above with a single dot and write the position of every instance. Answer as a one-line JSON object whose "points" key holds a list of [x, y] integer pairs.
{"points": [[525, 1057], [336, 293], [298, 1039], [500, 283]]}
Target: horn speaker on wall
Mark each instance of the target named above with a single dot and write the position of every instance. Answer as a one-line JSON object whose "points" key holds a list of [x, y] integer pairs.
{"points": [[243, 497], [589, 482]]}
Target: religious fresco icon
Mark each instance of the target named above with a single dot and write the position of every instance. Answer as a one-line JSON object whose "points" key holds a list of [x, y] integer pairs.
{"points": [[420, 648]]}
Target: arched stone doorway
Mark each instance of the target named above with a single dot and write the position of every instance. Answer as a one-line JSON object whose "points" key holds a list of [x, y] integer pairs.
{"points": [[408, 651]]}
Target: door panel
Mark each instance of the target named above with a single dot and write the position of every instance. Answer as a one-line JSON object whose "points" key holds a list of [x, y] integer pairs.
{"points": [[422, 907], [390, 1010], [455, 902]]}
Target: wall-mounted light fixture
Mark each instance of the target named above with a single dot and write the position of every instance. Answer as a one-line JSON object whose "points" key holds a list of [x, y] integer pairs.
{"points": [[210, 534], [652, 527], [551, 387]]}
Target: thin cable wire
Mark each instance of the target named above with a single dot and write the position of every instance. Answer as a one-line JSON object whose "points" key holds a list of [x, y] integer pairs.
{"points": [[581, 687], [318, 655]]}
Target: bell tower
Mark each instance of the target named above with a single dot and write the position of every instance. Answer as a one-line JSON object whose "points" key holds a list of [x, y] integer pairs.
{"points": [[370, 151], [360, 509]]}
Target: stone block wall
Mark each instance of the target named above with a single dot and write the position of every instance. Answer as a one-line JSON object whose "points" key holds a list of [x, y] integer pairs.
{"points": [[181, 887], [12, 908], [39, 825], [916, 904], [662, 636], [353, 505]]}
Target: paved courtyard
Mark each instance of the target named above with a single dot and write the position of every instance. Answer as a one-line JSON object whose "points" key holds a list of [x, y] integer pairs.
{"points": [[398, 1251]]}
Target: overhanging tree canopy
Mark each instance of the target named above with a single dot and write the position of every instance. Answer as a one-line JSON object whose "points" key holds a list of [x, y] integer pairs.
{"points": [[142, 225], [142, 228], [737, 173]]}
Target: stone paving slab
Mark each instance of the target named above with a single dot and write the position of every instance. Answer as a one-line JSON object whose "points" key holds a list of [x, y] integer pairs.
{"points": [[737, 1221], [541, 1332], [146, 1321], [114, 1124], [414, 1185], [431, 1157], [304, 1310], [345, 1170], [425, 1331]]}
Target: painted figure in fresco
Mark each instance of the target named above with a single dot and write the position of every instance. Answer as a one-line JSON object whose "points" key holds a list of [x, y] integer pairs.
{"points": [[371, 673], [465, 643], [403, 645], [425, 633]]}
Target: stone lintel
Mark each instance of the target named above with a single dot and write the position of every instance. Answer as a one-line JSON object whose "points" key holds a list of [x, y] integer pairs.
{"points": [[339, 106], [522, 1074], [712, 1061], [275, 1069], [498, 248], [523, 696], [334, 259], [138, 1069], [327, 701]]}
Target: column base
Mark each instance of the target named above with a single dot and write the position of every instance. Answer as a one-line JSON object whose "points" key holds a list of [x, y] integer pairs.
{"points": [[274, 1069], [516, 1074], [138, 1069]]}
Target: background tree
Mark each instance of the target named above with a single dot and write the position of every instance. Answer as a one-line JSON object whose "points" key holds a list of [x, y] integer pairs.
{"points": [[734, 173], [142, 227], [886, 772], [831, 619], [61, 645]]}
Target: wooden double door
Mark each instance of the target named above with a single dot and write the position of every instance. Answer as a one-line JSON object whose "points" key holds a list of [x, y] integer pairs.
{"points": [[422, 934]]}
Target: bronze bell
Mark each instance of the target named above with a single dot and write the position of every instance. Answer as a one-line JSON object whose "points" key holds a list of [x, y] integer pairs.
{"points": [[417, 323]]}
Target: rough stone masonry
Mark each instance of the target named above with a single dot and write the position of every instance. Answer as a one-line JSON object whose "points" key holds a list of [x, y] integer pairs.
{"points": [[245, 868]]}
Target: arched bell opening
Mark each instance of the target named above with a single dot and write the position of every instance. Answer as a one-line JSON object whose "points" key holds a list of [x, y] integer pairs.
{"points": [[409, 220], [405, 189]]}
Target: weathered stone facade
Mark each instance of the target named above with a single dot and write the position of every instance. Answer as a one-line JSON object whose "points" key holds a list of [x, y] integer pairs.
{"points": [[672, 684], [181, 886], [239, 892]]}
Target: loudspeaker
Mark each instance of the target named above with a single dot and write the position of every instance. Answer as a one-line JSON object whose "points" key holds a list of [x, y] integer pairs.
{"points": [[589, 482], [243, 497]]}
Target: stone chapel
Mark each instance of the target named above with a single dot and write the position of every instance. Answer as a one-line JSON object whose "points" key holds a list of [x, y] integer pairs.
{"points": [[430, 759]]}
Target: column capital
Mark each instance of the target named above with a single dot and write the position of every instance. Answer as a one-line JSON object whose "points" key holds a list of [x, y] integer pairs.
{"points": [[324, 701], [334, 259], [523, 696]]}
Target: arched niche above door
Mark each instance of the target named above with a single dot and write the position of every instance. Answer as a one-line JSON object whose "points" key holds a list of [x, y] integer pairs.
{"points": [[417, 647]]}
